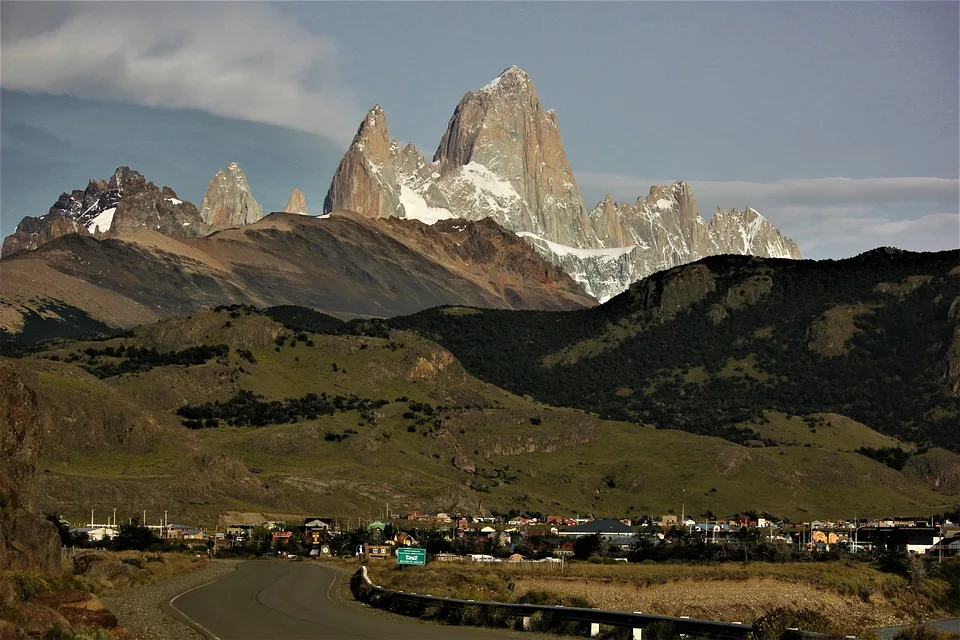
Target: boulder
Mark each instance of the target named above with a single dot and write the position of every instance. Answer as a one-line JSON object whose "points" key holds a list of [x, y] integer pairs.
{"points": [[10, 631], [35, 619]]}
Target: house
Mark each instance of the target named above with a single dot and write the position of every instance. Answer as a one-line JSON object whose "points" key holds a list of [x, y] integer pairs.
{"points": [[612, 531], [556, 545], [948, 547], [910, 539], [94, 534], [669, 520], [176, 531], [404, 540], [193, 534], [416, 515], [824, 537], [238, 529]]}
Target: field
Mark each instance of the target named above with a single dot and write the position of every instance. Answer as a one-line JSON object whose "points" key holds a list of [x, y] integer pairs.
{"points": [[853, 595]]}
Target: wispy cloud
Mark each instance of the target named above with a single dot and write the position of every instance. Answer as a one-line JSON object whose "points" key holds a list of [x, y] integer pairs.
{"points": [[828, 217], [801, 191], [238, 60]]}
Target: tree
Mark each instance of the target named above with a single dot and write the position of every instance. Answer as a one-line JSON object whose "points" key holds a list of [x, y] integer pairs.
{"points": [[133, 536], [586, 546], [260, 539]]}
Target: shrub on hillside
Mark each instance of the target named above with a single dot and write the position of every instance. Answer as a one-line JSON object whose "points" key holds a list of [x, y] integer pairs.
{"points": [[773, 625]]}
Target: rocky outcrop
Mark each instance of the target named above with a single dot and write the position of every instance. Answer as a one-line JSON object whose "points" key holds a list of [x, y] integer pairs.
{"points": [[501, 157], [33, 232], [158, 210], [27, 540], [228, 201], [950, 364], [297, 203], [126, 202]]}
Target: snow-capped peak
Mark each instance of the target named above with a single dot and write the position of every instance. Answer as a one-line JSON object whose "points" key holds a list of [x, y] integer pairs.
{"points": [[512, 72]]}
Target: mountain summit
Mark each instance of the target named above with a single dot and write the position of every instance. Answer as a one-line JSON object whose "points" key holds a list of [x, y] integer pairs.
{"points": [[228, 201], [124, 203], [297, 203], [501, 157]]}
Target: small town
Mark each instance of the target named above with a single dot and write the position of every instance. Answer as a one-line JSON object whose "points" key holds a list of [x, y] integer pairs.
{"points": [[550, 538]]}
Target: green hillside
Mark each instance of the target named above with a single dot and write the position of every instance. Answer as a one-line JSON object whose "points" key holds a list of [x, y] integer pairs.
{"points": [[709, 347], [350, 423]]}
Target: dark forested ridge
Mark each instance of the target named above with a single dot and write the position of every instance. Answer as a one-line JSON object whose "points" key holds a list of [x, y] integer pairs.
{"points": [[707, 347]]}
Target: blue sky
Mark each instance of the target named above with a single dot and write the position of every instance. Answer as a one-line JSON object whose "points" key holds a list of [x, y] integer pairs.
{"points": [[839, 122]]}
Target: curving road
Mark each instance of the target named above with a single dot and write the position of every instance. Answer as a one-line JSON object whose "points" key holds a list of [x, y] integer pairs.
{"points": [[299, 601]]}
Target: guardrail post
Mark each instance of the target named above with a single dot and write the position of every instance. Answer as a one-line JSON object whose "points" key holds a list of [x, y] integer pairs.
{"points": [[594, 629], [525, 623], [638, 631]]}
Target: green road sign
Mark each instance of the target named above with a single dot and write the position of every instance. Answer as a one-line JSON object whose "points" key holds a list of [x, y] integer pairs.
{"points": [[411, 556]]}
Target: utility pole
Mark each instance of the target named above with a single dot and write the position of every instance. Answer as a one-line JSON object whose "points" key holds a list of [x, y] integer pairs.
{"points": [[683, 507], [114, 516]]}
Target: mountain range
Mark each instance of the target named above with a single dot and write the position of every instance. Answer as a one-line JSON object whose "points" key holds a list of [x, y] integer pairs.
{"points": [[124, 251], [501, 157]]}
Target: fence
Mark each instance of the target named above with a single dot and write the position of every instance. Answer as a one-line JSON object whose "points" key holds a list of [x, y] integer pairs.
{"points": [[415, 604]]}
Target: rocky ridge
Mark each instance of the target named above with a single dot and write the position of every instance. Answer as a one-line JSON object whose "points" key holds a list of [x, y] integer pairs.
{"points": [[228, 201], [124, 203], [501, 156], [342, 264], [27, 540]]}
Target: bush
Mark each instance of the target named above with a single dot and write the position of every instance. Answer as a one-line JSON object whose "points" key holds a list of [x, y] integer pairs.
{"points": [[923, 632], [774, 624], [28, 583]]}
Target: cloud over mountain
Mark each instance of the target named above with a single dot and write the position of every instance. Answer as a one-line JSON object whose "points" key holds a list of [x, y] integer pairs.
{"points": [[238, 60]]}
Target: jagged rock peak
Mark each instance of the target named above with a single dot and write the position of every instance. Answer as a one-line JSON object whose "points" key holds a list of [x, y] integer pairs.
{"points": [[126, 179], [372, 138], [228, 201], [513, 78], [124, 203], [297, 203]]}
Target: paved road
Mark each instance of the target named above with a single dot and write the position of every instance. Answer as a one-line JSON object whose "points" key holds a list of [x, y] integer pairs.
{"points": [[274, 600]]}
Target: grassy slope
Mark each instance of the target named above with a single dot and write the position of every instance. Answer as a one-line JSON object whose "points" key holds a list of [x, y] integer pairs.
{"points": [[705, 347], [487, 453]]}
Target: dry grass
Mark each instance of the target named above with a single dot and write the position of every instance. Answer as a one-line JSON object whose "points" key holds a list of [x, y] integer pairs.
{"points": [[853, 595]]}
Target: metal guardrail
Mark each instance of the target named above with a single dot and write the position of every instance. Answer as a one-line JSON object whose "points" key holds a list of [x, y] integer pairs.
{"points": [[595, 617]]}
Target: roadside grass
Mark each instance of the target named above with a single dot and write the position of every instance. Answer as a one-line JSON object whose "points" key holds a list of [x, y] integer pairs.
{"points": [[854, 596], [845, 578]]}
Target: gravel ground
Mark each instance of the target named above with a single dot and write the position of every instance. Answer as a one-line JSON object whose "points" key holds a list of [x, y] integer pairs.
{"points": [[140, 609]]}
